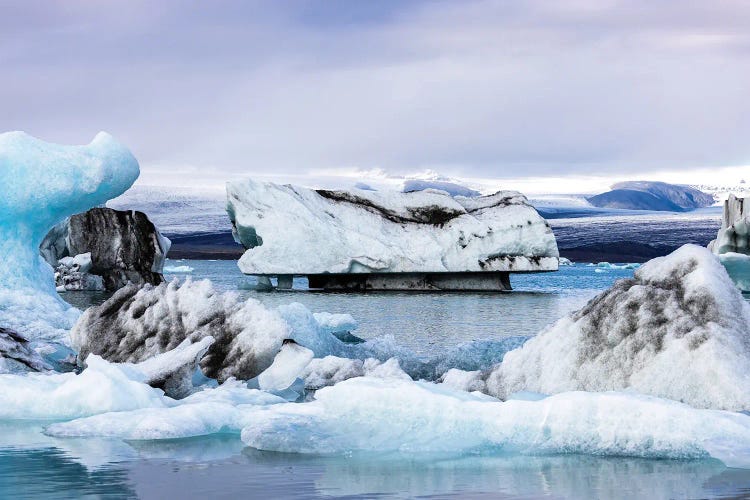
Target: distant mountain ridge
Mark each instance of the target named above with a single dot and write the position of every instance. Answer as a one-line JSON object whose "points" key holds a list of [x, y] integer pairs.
{"points": [[648, 195]]}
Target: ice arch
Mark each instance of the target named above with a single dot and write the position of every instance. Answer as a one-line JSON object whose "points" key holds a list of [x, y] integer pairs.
{"points": [[40, 185]]}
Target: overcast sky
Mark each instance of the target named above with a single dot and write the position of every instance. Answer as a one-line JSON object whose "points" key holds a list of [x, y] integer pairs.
{"points": [[206, 90]]}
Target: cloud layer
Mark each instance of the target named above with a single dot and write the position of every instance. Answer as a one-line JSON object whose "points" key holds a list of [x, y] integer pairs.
{"points": [[212, 90]]}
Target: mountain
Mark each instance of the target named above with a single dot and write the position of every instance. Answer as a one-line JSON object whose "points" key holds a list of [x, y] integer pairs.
{"points": [[656, 196]]}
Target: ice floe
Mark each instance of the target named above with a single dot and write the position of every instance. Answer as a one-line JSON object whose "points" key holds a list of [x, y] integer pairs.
{"points": [[178, 269], [368, 414]]}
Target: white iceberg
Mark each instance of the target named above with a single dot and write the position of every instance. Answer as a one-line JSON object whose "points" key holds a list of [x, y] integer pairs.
{"points": [[290, 230], [42, 184], [178, 269], [732, 243], [377, 415], [678, 329]]}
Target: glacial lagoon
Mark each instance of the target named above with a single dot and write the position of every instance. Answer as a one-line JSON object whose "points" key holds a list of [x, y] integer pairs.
{"points": [[33, 465]]}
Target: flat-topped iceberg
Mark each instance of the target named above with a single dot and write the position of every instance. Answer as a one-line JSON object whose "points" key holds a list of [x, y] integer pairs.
{"points": [[678, 329], [289, 230], [42, 184]]}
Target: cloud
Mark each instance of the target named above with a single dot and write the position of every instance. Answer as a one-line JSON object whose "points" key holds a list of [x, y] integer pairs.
{"points": [[476, 88]]}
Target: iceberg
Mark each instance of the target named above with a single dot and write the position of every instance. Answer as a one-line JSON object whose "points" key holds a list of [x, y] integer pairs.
{"points": [[383, 412], [387, 240], [377, 415], [732, 243], [137, 323], [178, 269], [678, 329], [42, 185], [122, 247], [72, 273]]}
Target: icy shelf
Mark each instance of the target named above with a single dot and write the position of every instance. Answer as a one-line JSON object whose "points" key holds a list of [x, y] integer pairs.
{"points": [[358, 239]]}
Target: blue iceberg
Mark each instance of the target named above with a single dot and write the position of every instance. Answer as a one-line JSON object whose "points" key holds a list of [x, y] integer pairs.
{"points": [[42, 184]]}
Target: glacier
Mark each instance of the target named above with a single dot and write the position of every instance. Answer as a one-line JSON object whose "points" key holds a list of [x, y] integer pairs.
{"points": [[678, 330], [43, 184], [289, 230]]}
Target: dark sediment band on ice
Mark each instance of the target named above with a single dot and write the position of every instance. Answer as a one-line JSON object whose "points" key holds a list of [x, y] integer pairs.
{"points": [[16, 355], [365, 240]]}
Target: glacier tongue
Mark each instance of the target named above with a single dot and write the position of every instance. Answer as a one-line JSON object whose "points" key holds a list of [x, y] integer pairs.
{"points": [[293, 230], [42, 184]]}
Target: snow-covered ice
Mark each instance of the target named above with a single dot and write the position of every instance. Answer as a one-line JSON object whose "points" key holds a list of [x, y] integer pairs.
{"points": [[287, 366], [678, 329], [369, 414], [42, 184], [378, 415], [294, 230]]}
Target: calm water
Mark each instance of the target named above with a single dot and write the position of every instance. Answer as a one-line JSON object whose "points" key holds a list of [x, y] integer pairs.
{"points": [[35, 466]]}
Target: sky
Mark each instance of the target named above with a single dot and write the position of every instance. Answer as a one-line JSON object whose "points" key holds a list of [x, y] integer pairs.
{"points": [[560, 96]]}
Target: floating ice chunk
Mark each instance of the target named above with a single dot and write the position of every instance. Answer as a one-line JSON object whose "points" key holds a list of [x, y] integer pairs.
{"points": [[101, 387], [734, 235], [223, 409], [367, 414], [82, 261], [138, 323], [72, 273], [678, 329], [607, 265], [379, 231], [732, 243], [564, 261], [287, 366], [42, 184], [178, 269]]}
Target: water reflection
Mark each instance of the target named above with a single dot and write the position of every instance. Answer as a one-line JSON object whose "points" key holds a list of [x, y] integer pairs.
{"points": [[35, 466]]}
